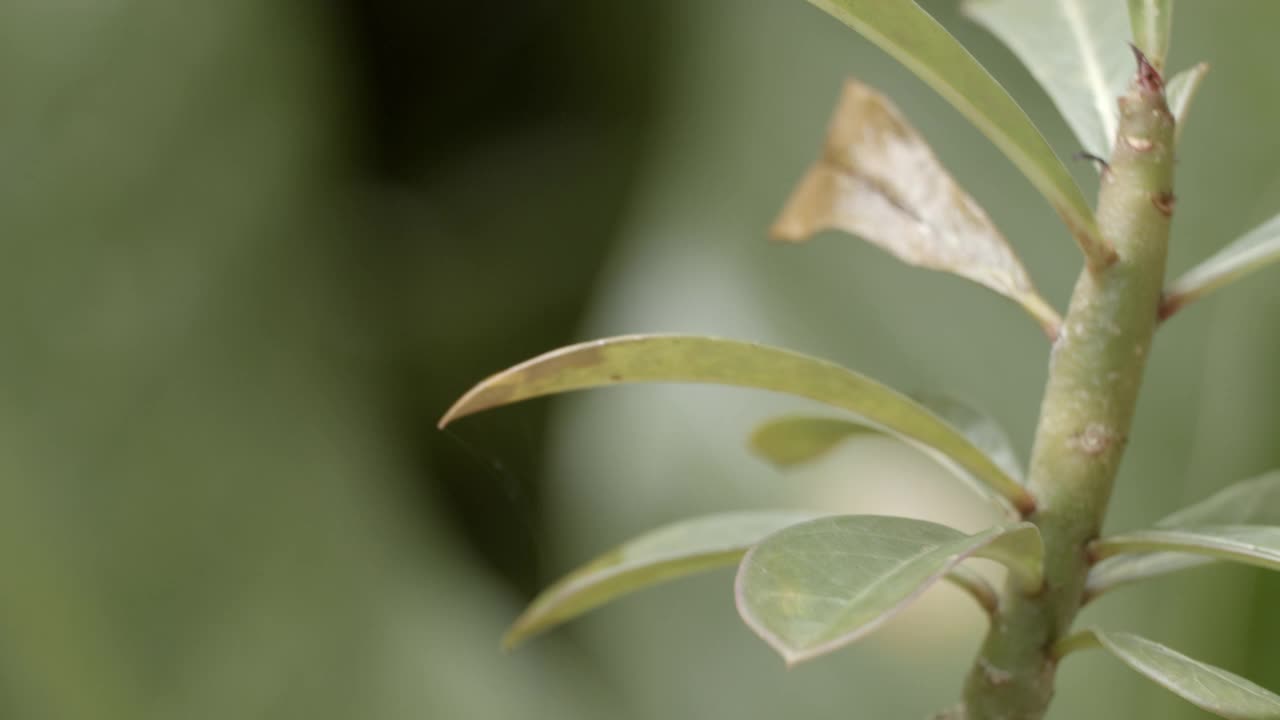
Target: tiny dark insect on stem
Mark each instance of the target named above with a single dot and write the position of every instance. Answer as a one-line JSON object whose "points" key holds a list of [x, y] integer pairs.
{"points": [[1103, 165]]}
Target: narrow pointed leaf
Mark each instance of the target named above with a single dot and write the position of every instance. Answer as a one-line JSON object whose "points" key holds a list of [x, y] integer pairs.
{"points": [[815, 587], [1078, 50], [656, 557], [1152, 22], [878, 179], [1250, 544], [1251, 502], [796, 439], [1255, 250], [1210, 688], [1181, 91], [905, 31], [678, 358]]}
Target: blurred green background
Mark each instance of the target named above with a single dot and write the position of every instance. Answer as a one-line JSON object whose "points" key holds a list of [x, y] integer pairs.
{"points": [[252, 250]]}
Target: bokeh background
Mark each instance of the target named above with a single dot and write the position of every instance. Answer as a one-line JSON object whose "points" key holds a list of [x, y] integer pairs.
{"points": [[252, 250]]}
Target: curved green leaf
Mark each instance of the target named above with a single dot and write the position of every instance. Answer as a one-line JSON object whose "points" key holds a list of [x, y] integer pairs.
{"points": [[1250, 544], [1253, 251], [796, 439], [680, 358], [656, 557], [1078, 50], [1181, 91], [878, 179], [1210, 688], [815, 587], [908, 33], [1251, 502], [1152, 22]]}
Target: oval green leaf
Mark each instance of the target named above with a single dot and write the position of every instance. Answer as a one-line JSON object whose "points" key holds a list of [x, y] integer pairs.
{"points": [[1152, 22], [796, 439], [879, 179], [908, 33], [656, 557], [1210, 688], [1078, 50], [815, 587], [680, 358], [1253, 251], [1257, 545], [1181, 91], [1251, 502]]}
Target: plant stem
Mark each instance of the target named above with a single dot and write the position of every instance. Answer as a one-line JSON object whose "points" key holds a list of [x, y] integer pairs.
{"points": [[1094, 375]]}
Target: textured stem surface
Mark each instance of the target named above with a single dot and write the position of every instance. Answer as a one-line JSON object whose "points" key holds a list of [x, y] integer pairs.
{"points": [[1095, 373]]}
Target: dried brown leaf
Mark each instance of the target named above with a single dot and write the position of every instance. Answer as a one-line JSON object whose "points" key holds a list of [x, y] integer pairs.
{"points": [[878, 179]]}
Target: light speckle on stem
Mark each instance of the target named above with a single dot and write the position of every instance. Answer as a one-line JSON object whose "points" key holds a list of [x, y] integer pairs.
{"points": [[1138, 143], [1095, 439]]}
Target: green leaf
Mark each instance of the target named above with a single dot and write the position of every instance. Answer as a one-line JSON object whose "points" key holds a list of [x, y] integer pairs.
{"points": [[1078, 51], [878, 179], [818, 586], [1255, 250], [678, 358], [1251, 502], [656, 557], [1152, 22], [1250, 544], [1181, 91], [1210, 688], [905, 31], [796, 439]]}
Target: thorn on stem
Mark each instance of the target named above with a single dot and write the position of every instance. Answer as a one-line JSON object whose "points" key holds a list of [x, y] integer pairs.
{"points": [[1148, 77], [1164, 202]]}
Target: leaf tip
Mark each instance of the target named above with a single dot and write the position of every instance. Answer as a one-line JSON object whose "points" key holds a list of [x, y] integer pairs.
{"points": [[509, 642], [486, 394], [456, 410], [520, 631]]}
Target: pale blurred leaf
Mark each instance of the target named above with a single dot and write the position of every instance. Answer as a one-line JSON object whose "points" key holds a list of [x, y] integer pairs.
{"points": [[1079, 52], [816, 587], [797, 439], [878, 179]]}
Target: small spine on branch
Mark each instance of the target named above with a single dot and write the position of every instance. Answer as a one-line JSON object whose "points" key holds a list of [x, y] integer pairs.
{"points": [[1148, 78]]}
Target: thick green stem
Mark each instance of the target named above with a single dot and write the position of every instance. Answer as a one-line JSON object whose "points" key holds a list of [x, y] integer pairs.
{"points": [[1095, 373]]}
